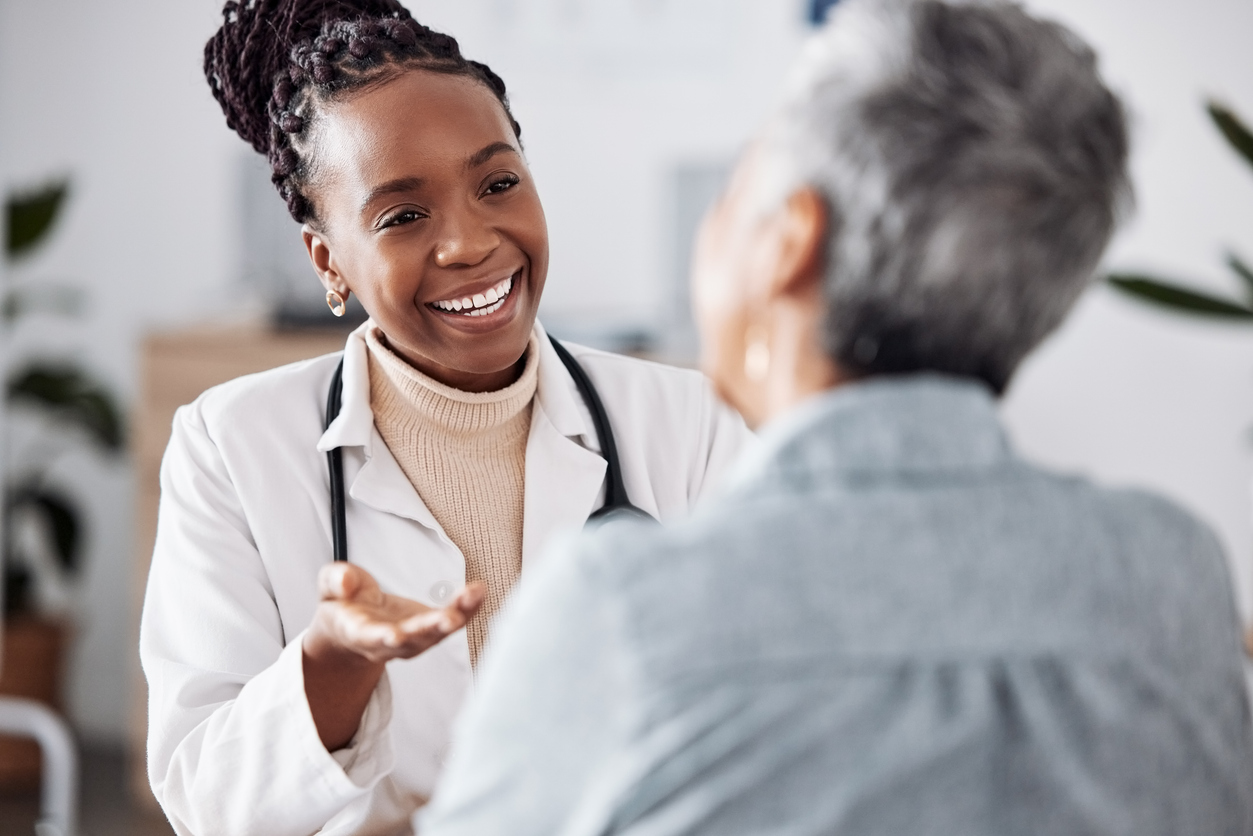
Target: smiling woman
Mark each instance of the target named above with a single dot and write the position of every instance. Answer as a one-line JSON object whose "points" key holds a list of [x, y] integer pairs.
{"points": [[289, 694], [419, 216]]}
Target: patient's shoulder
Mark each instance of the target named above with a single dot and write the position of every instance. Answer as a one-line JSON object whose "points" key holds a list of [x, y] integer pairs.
{"points": [[1172, 547]]}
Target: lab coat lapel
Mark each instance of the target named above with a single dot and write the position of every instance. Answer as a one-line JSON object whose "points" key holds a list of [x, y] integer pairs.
{"points": [[564, 479], [564, 471], [563, 482], [370, 470], [383, 485]]}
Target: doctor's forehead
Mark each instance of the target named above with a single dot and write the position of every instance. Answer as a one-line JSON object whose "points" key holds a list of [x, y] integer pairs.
{"points": [[418, 125]]}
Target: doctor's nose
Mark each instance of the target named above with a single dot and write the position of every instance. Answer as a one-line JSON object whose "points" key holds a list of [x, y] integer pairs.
{"points": [[465, 241]]}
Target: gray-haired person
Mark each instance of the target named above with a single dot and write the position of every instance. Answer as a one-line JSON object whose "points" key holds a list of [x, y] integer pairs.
{"points": [[890, 624]]}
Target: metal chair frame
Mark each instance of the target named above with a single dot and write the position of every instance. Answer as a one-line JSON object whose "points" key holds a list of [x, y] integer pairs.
{"points": [[59, 788]]}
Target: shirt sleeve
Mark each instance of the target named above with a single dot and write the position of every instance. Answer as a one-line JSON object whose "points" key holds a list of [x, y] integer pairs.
{"points": [[539, 737], [232, 746]]}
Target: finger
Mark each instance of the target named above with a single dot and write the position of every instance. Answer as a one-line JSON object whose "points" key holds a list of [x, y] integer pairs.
{"points": [[417, 633], [346, 582], [470, 599], [463, 607], [452, 617], [364, 633], [433, 624], [333, 583]]}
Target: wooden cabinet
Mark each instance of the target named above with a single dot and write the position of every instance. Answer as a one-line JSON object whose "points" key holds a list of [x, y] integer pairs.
{"points": [[175, 368], [33, 656]]}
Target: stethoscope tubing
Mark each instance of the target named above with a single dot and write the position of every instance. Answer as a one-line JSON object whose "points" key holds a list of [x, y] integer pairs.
{"points": [[617, 503]]}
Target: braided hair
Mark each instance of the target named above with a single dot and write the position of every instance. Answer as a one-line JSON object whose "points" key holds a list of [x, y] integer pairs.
{"points": [[274, 63]]}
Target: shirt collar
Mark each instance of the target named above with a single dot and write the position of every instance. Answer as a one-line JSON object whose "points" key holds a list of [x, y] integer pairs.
{"points": [[888, 424]]}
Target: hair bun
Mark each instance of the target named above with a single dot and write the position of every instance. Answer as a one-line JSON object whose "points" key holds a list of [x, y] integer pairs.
{"points": [[244, 58]]}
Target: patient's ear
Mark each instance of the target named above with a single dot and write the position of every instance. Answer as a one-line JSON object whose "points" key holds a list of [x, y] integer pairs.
{"points": [[801, 237]]}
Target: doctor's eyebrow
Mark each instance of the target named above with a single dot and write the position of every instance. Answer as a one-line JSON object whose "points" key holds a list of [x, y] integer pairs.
{"points": [[408, 184], [477, 159], [400, 184]]}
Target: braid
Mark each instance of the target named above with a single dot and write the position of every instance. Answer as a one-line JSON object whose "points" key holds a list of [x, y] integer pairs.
{"points": [[273, 63]]}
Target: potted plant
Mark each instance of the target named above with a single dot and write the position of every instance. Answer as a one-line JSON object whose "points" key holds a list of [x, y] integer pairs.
{"points": [[1179, 297], [60, 405]]}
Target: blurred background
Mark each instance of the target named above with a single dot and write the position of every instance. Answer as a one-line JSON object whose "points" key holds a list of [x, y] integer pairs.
{"points": [[159, 261]]}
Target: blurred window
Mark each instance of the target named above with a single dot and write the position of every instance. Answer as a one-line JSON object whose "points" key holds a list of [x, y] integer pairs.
{"points": [[818, 10]]}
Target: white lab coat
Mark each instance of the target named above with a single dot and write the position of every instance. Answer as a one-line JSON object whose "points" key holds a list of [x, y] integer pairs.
{"points": [[245, 526]]}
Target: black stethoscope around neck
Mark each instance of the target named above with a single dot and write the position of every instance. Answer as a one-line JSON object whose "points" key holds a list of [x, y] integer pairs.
{"points": [[617, 504]]}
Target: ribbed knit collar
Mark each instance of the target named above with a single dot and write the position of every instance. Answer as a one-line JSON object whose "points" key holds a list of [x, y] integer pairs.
{"points": [[457, 412]]}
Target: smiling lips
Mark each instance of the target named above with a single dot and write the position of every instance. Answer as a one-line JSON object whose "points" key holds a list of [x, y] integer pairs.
{"points": [[480, 304]]}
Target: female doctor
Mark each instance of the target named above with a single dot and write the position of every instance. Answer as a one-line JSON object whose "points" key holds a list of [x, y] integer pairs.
{"points": [[290, 694]]}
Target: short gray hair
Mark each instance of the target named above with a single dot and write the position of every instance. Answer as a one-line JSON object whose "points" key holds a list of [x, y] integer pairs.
{"points": [[974, 168]]}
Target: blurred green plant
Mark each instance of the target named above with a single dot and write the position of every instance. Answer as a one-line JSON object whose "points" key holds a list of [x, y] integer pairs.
{"points": [[29, 217], [66, 395], [1185, 299]]}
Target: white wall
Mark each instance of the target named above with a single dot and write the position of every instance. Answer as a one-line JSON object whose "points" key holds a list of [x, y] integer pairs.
{"points": [[1125, 393], [111, 93], [612, 94]]}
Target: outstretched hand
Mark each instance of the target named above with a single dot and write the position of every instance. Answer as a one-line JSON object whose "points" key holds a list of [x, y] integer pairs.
{"points": [[356, 629], [357, 616]]}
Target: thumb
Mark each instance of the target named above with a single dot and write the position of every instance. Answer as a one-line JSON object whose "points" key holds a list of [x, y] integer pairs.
{"points": [[344, 581]]}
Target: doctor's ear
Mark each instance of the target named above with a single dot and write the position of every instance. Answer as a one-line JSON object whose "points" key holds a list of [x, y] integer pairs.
{"points": [[320, 256]]}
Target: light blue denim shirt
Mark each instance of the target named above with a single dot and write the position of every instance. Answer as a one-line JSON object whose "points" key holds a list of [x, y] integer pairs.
{"points": [[890, 625]]}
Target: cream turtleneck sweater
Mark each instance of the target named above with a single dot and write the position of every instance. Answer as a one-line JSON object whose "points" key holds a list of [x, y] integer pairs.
{"points": [[465, 454]]}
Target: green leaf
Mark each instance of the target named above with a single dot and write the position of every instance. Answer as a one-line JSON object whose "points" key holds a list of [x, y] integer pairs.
{"points": [[62, 519], [71, 395], [1242, 270], [57, 299], [29, 217], [1240, 137], [1179, 298]]}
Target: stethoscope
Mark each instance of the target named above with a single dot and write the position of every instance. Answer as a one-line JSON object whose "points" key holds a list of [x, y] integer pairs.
{"points": [[617, 505]]}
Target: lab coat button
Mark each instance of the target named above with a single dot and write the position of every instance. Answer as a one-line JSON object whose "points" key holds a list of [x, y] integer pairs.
{"points": [[442, 591]]}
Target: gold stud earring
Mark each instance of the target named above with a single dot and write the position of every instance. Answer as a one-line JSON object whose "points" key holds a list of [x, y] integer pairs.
{"points": [[756, 353], [335, 302]]}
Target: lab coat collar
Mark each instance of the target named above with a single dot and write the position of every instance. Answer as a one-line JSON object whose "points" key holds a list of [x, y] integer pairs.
{"points": [[556, 395], [378, 480], [559, 397], [355, 425], [564, 475]]}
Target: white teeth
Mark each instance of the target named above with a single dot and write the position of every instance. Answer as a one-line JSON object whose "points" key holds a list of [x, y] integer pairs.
{"points": [[481, 304]]}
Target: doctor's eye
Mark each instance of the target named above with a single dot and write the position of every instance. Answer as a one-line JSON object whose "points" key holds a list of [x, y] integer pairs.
{"points": [[406, 216], [503, 184]]}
